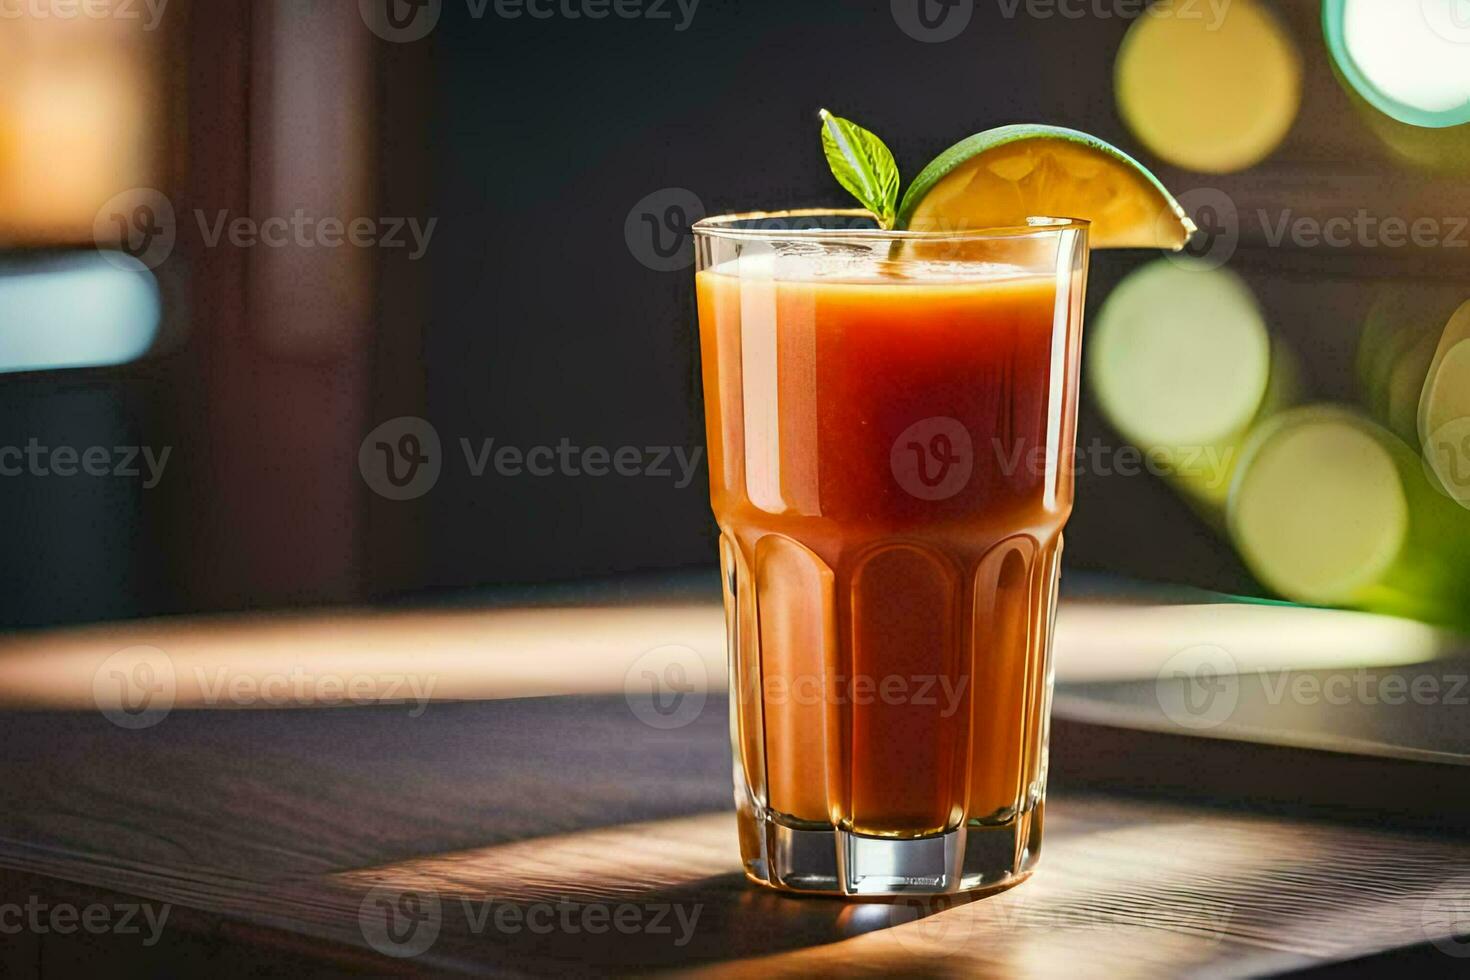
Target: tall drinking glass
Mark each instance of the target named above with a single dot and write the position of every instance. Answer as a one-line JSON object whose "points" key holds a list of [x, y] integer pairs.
{"points": [[892, 425]]}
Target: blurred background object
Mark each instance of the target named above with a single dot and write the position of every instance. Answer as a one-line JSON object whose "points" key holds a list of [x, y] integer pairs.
{"points": [[1329, 507], [1213, 93], [349, 280], [1405, 67], [1182, 364]]}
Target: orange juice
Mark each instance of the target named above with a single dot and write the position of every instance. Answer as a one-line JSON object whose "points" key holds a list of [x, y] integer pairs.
{"points": [[891, 466]]}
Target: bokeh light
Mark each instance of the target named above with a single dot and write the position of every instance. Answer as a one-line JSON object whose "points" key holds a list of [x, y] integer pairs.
{"points": [[1408, 59], [83, 310], [1182, 365], [1331, 508], [78, 120], [1400, 336], [1214, 93], [1319, 511], [1179, 354], [1444, 410]]}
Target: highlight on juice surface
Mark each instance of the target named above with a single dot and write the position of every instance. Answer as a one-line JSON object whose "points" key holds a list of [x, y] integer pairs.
{"points": [[1183, 366], [891, 405]]}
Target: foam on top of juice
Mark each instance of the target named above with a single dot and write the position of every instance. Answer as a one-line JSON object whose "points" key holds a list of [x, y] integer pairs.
{"points": [[868, 268]]}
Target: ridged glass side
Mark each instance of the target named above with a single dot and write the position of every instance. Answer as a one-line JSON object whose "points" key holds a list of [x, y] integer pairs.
{"points": [[926, 721]]}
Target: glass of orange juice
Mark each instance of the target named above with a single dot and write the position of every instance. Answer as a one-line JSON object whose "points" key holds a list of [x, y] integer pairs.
{"points": [[892, 422]]}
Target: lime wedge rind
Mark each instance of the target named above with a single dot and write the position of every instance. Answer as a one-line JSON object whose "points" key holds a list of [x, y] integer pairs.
{"points": [[1176, 226]]}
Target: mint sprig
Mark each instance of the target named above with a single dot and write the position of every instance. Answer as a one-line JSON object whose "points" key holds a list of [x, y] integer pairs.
{"points": [[863, 165]]}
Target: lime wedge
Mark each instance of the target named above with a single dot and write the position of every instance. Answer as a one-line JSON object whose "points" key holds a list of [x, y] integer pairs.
{"points": [[1003, 176]]}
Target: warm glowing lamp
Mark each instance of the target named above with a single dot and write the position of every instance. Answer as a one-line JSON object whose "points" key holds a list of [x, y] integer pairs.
{"points": [[78, 121], [1215, 94]]}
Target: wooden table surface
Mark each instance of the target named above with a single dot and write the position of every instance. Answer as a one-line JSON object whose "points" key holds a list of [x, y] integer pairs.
{"points": [[541, 835], [504, 823]]}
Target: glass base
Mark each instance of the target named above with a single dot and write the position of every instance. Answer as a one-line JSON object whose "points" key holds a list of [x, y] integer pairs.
{"points": [[828, 860]]}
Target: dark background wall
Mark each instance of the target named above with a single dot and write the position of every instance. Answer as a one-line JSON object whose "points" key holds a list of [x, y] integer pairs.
{"points": [[562, 160]]}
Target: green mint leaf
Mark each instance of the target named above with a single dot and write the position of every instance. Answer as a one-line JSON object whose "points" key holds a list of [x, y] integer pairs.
{"points": [[863, 165]]}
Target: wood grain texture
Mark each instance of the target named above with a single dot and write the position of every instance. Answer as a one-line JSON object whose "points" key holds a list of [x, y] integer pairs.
{"points": [[569, 811]]}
